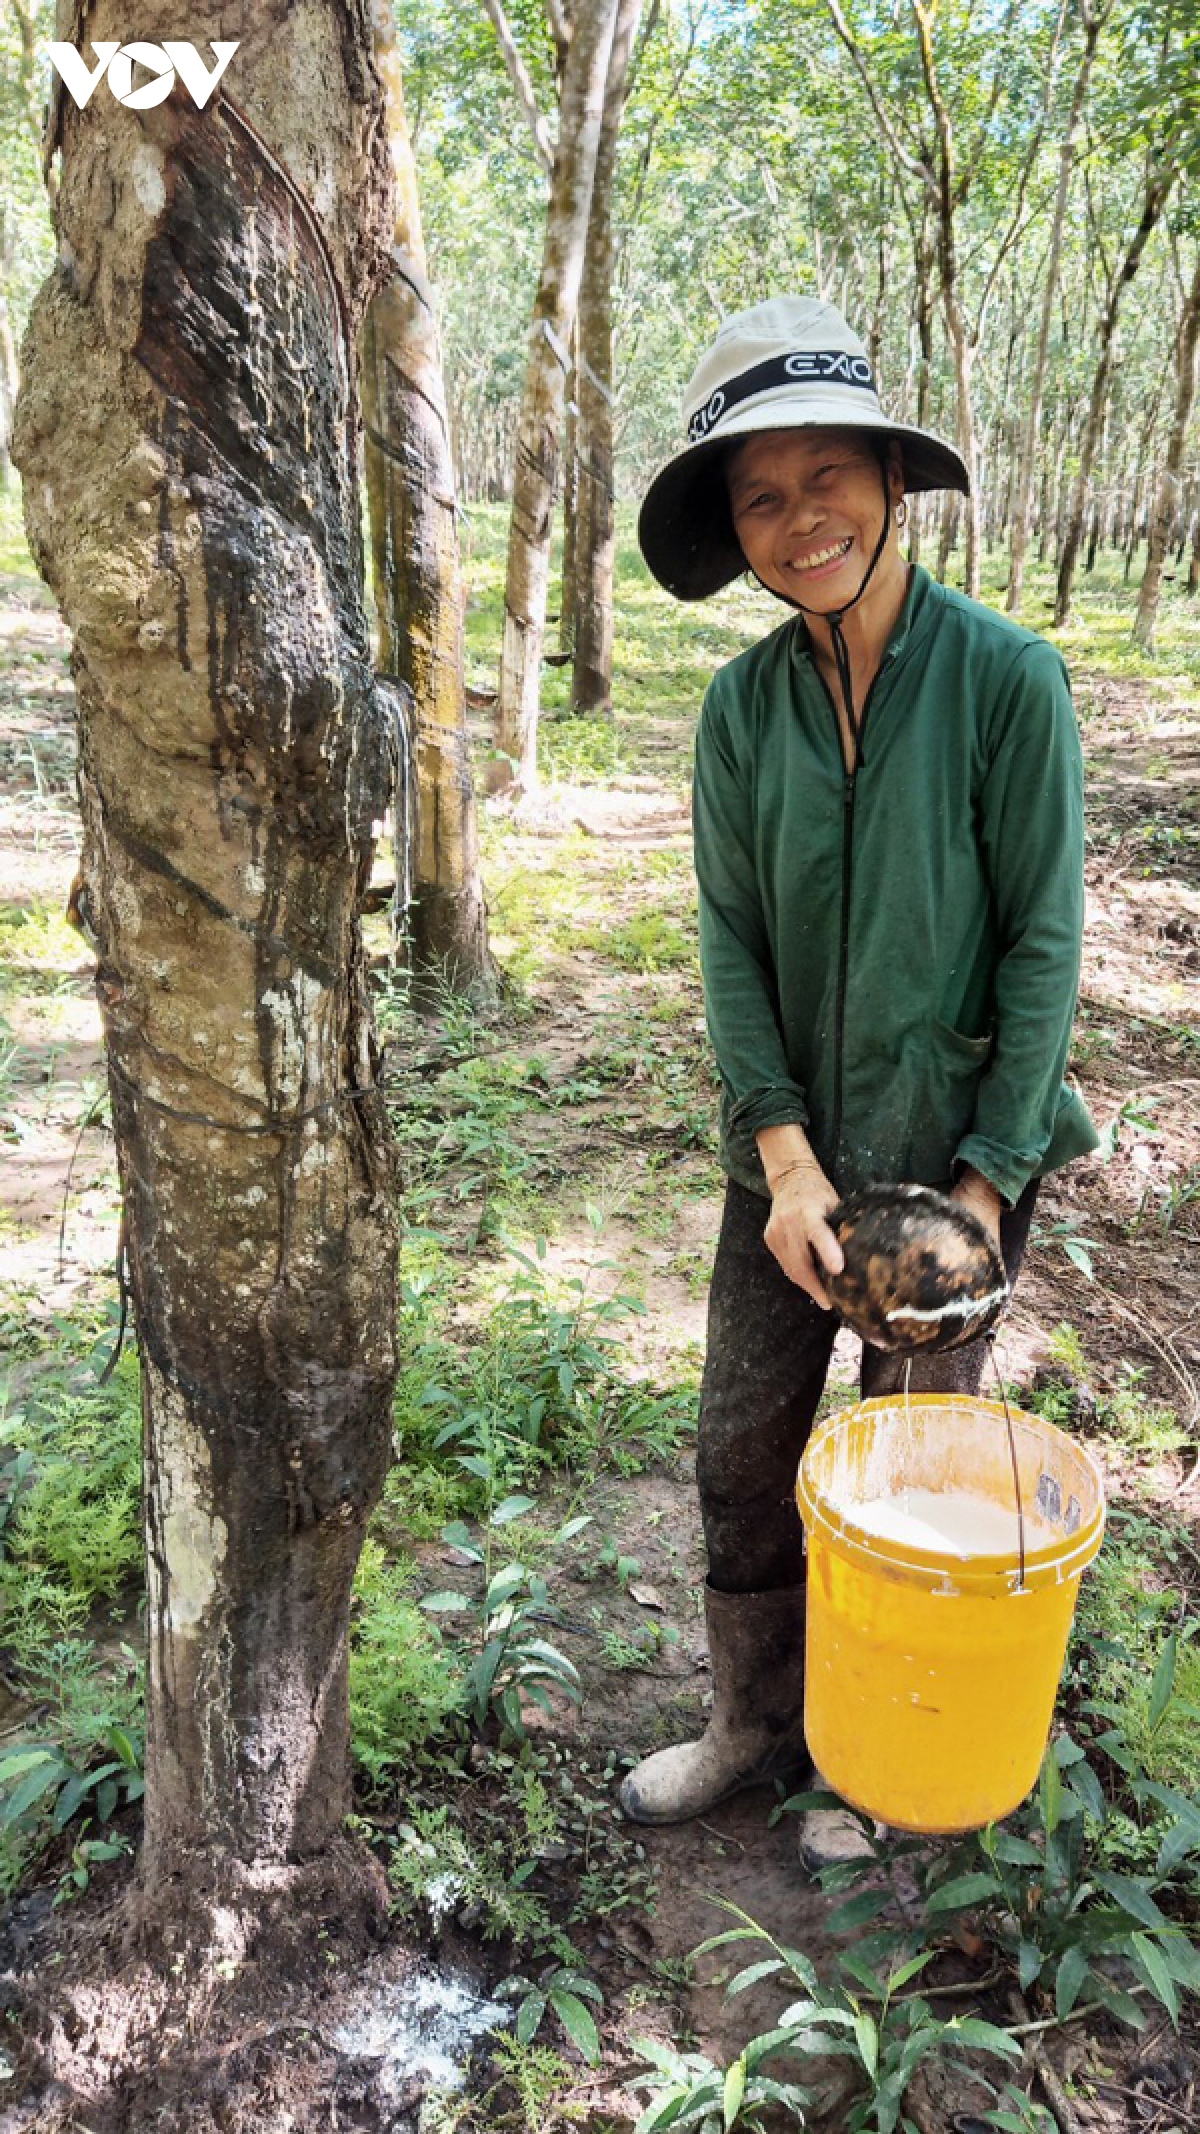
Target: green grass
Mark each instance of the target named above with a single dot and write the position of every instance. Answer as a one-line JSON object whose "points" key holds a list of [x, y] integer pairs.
{"points": [[1128, 1607], [39, 952], [74, 1519], [404, 1689], [651, 941], [17, 570]]}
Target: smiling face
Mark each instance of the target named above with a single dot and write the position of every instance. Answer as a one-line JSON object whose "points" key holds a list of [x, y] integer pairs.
{"points": [[808, 506]]}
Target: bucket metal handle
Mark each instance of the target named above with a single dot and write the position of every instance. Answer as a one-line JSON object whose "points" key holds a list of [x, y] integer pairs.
{"points": [[1012, 1452], [1012, 1449]]}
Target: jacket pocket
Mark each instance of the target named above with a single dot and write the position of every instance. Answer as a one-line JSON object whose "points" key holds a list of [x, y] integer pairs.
{"points": [[969, 1048], [946, 1085]]}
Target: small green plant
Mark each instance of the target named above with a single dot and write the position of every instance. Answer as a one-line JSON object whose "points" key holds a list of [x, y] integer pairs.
{"points": [[70, 1471], [41, 1781], [405, 1689], [545, 1384], [686, 2090], [1016, 2113], [1065, 1348], [532, 2091], [1039, 1892], [86, 1855], [1064, 1396], [626, 1654], [1136, 1112], [18, 1471], [1080, 1250], [1167, 1204], [564, 1992], [1141, 1426], [511, 1662], [443, 1867], [648, 942], [863, 2017], [623, 1567], [536, 2075], [1153, 1727]]}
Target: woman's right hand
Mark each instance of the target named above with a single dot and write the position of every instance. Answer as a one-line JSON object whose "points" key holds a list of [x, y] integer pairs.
{"points": [[798, 1232]]}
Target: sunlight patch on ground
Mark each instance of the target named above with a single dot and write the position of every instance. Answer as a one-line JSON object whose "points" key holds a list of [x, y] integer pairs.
{"points": [[61, 1019]]}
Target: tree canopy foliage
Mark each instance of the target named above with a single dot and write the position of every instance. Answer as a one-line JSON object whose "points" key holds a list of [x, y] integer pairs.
{"points": [[796, 144]]}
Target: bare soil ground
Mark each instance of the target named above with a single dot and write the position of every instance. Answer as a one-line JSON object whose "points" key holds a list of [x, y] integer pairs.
{"points": [[268, 2058]]}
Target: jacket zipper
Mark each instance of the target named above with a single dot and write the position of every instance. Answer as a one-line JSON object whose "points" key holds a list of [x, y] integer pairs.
{"points": [[848, 783]]}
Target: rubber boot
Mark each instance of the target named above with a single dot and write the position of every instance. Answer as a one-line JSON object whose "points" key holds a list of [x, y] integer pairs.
{"points": [[756, 1645]]}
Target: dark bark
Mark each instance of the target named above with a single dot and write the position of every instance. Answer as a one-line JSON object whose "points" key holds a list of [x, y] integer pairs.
{"points": [[594, 555], [1167, 501], [418, 586], [1158, 183], [1093, 21], [187, 436], [544, 393], [567, 619]]}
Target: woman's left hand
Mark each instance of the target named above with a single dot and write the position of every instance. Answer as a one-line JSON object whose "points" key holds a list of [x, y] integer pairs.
{"points": [[979, 1195]]}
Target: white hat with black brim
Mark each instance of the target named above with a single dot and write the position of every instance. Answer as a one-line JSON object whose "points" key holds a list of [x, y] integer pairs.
{"points": [[790, 364]]}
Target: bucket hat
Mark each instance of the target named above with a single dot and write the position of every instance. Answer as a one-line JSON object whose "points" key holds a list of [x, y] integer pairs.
{"points": [[790, 364]]}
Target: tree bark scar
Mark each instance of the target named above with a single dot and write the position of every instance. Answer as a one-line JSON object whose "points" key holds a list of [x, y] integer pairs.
{"points": [[242, 310], [167, 550]]}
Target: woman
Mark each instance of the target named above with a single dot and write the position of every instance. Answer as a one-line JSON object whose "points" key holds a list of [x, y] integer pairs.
{"points": [[889, 852]]}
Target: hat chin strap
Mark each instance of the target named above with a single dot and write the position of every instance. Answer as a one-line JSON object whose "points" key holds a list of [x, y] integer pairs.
{"points": [[841, 655]]}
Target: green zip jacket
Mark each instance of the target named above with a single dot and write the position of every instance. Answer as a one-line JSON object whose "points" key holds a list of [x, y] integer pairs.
{"points": [[891, 960]]}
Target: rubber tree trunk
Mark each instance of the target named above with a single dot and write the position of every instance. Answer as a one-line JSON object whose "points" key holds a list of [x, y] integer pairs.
{"points": [[1166, 503], [947, 534], [594, 547], [186, 433], [536, 477], [964, 364], [923, 303], [1031, 433], [570, 498], [1159, 180], [948, 192], [418, 581], [9, 380]]}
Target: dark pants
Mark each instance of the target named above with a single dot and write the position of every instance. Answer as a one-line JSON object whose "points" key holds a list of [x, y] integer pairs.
{"points": [[769, 1347]]}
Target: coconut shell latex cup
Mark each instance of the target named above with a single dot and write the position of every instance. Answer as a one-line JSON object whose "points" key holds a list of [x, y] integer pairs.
{"points": [[921, 1272]]}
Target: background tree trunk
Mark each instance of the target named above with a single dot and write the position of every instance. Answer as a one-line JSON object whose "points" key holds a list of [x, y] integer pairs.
{"points": [[1093, 19], [186, 431], [9, 382], [570, 501], [418, 579], [594, 553], [543, 395], [1159, 180], [948, 191], [1166, 503], [923, 263]]}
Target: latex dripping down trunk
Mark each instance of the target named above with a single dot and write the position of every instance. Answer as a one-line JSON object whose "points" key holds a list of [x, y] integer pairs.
{"points": [[841, 654]]}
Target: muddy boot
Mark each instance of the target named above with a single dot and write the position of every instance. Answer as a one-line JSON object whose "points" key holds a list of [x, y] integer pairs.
{"points": [[830, 1837], [756, 1644]]}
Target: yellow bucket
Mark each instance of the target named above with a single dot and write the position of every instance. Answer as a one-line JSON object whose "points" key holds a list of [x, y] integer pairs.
{"points": [[930, 1677]]}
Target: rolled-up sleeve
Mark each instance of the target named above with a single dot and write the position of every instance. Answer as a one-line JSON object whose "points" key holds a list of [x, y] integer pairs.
{"points": [[740, 990]]}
